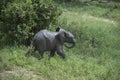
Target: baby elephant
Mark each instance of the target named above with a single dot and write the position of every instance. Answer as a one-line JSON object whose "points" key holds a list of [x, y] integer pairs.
{"points": [[52, 41]]}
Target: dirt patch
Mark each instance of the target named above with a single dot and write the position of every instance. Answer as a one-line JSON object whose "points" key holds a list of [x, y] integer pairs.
{"points": [[19, 72], [98, 18]]}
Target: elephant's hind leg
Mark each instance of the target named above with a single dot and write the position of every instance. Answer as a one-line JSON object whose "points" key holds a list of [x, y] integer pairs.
{"points": [[52, 53], [41, 55], [30, 51]]}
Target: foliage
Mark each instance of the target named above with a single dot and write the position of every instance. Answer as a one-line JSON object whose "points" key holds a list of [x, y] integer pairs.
{"points": [[86, 1], [21, 19]]}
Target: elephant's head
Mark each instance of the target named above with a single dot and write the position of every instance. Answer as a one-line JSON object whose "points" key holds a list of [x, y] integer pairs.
{"points": [[65, 36], [70, 39]]}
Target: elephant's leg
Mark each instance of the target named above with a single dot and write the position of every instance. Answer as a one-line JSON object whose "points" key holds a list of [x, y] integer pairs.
{"points": [[27, 53], [41, 54], [52, 53], [30, 52], [60, 51]]}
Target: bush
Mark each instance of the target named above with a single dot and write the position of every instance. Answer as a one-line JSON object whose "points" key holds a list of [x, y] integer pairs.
{"points": [[20, 20]]}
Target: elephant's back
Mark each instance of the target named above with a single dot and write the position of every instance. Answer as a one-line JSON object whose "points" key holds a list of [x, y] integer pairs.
{"points": [[45, 34], [44, 40]]}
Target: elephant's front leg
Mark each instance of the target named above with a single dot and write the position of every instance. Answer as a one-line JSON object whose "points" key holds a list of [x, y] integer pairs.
{"points": [[52, 53], [60, 51]]}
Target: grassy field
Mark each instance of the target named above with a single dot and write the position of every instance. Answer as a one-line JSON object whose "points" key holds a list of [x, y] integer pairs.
{"points": [[95, 57]]}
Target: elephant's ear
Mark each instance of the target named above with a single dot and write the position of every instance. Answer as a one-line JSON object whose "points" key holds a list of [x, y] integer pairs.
{"points": [[61, 36], [58, 29]]}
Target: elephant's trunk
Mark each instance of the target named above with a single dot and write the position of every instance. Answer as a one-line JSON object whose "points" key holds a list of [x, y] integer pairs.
{"points": [[73, 44]]}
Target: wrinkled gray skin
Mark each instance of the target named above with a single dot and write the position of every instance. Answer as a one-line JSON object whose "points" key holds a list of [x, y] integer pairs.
{"points": [[52, 41]]}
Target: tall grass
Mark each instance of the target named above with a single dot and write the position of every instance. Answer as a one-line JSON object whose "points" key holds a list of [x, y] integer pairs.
{"points": [[77, 66]]}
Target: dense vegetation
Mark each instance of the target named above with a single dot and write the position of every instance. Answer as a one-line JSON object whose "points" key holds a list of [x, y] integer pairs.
{"points": [[96, 27], [21, 19]]}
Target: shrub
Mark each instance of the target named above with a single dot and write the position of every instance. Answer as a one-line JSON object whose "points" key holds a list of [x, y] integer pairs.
{"points": [[21, 19]]}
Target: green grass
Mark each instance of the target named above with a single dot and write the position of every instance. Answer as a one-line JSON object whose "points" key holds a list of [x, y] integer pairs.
{"points": [[77, 66], [95, 57]]}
